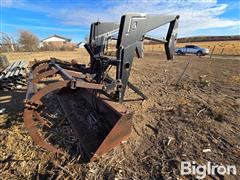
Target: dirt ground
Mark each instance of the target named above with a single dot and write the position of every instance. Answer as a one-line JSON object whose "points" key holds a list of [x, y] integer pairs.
{"points": [[179, 122]]}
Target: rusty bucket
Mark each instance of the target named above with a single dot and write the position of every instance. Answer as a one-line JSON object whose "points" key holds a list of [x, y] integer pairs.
{"points": [[98, 122]]}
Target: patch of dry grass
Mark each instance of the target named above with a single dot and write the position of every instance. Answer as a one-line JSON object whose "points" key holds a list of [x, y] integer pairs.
{"points": [[236, 79], [78, 54], [81, 55], [221, 47]]}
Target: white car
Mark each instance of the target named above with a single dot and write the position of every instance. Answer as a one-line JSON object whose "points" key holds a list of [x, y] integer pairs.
{"points": [[192, 49]]}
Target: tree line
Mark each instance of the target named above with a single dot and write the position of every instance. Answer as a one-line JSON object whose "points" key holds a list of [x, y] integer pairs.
{"points": [[27, 41]]}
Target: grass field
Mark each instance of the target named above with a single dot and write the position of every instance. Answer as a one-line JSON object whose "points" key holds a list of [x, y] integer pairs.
{"points": [[221, 47], [64, 55]]}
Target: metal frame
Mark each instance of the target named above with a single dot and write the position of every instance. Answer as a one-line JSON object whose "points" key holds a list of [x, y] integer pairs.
{"points": [[131, 33], [93, 84]]}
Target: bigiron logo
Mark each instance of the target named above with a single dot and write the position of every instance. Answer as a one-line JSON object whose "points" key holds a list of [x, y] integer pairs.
{"points": [[201, 171]]}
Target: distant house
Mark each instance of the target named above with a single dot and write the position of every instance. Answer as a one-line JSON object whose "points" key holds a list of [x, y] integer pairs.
{"points": [[57, 41], [81, 45]]}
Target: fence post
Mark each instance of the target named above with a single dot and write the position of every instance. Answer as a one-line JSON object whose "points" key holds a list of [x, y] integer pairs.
{"points": [[222, 51], [212, 52]]}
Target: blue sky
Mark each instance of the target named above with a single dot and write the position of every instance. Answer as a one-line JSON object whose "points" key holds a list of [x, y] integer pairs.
{"points": [[72, 18]]}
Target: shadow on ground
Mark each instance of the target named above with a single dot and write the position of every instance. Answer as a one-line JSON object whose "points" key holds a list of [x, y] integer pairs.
{"points": [[11, 103]]}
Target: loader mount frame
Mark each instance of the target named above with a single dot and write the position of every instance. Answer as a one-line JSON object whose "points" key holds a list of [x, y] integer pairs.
{"points": [[131, 33]]}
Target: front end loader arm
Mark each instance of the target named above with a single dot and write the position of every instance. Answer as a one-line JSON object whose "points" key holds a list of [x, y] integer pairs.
{"points": [[133, 28]]}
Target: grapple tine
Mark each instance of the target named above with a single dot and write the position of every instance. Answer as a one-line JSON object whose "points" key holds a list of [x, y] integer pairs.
{"points": [[31, 105], [45, 74], [41, 67], [51, 72], [33, 132], [41, 119]]}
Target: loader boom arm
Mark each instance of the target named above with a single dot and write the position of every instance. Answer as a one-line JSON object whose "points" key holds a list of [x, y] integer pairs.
{"points": [[133, 28], [131, 33]]}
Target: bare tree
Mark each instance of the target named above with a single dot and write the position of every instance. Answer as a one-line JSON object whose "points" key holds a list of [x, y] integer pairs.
{"points": [[28, 41], [7, 42]]}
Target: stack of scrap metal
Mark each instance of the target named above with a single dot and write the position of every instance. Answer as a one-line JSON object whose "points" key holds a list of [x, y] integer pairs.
{"points": [[14, 76]]}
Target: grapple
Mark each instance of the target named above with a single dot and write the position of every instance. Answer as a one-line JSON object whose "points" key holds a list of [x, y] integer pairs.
{"points": [[98, 129], [90, 99]]}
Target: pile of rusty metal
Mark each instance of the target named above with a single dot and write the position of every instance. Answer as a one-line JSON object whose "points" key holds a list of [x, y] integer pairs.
{"points": [[14, 76]]}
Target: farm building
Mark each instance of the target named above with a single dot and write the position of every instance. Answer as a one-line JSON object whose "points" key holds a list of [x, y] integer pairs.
{"points": [[56, 41]]}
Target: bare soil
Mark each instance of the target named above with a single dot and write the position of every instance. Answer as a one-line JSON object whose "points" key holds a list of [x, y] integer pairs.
{"points": [[178, 122]]}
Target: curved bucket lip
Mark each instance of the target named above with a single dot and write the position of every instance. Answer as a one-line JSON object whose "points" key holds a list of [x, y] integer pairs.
{"points": [[119, 133]]}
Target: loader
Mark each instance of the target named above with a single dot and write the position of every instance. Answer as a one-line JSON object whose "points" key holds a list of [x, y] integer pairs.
{"points": [[101, 121]]}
